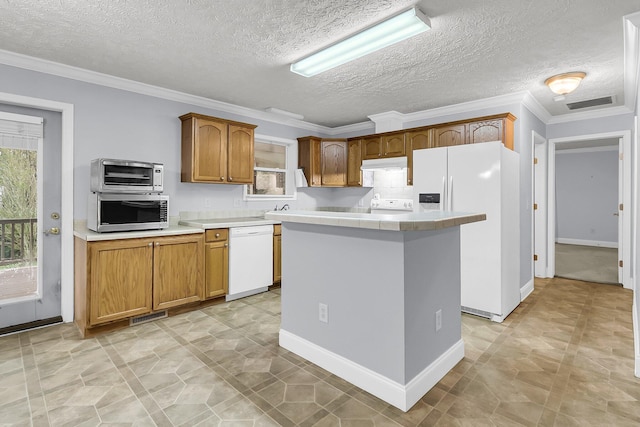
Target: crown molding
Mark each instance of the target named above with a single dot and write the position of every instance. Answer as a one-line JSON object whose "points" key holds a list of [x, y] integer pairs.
{"points": [[466, 107], [355, 127], [532, 104], [67, 71], [590, 115]]}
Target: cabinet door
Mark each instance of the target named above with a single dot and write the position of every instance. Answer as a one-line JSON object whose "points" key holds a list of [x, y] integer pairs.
{"points": [[417, 140], [209, 151], [393, 145], [334, 163], [120, 279], [446, 136], [371, 148], [277, 256], [177, 270], [309, 160], [354, 163], [486, 131], [240, 151], [216, 269]]}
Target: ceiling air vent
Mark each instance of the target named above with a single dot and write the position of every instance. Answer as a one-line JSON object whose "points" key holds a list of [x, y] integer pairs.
{"points": [[590, 103]]}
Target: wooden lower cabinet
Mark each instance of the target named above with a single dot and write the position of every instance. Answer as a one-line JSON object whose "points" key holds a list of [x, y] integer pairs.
{"points": [[277, 253], [216, 256], [119, 279], [178, 268]]}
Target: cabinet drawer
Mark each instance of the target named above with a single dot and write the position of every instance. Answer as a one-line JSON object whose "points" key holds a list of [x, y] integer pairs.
{"points": [[216, 235]]}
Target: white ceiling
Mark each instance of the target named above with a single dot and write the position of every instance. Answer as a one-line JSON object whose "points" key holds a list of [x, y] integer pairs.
{"points": [[239, 51]]}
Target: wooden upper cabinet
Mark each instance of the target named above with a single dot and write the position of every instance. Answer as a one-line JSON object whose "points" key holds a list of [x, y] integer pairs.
{"points": [[416, 140], [216, 150], [323, 161], [309, 155], [393, 145], [371, 147], [500, 129], [178, 270], [354, 163], [240, 155], [334, 163], [445, 136]]}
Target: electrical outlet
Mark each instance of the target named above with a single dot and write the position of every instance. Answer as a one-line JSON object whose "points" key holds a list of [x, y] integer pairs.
{"points": [[237, 203], [438, 320], [361, 203], [323, 313]]}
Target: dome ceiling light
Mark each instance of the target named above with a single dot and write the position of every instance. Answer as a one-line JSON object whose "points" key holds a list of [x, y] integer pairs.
{"points": [[563, 84]]}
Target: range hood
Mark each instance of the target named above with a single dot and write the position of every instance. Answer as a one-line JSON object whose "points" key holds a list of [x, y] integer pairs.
{"points": [[385, 163]]}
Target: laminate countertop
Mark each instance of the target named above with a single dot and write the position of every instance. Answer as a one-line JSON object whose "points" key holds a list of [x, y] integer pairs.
{"points": [[414, 221], [81, 231]]}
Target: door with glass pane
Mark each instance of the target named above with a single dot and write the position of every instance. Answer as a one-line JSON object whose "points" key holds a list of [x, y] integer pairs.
{"points": [[30, 158]]}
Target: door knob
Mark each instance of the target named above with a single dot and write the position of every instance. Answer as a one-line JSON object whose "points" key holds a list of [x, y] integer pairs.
{"points": [[52, 230]]}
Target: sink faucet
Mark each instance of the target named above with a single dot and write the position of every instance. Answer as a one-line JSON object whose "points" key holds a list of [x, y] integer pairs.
{"points": [[285, 207]]}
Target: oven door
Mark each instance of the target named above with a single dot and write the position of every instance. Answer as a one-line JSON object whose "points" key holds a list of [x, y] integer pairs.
{"points": [[132, 212]]}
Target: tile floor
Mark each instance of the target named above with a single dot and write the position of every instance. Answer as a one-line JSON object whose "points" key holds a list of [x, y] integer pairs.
{"points": [[564, 357]]}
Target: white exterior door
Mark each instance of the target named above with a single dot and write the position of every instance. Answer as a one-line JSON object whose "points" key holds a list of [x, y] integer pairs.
{"points": [[30, 265]]}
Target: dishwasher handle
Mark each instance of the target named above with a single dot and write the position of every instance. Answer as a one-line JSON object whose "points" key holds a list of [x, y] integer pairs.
{"points": [[253, 230]]}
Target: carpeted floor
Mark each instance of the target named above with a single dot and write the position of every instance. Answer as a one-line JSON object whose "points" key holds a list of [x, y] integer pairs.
{"points": [[587, 263]]}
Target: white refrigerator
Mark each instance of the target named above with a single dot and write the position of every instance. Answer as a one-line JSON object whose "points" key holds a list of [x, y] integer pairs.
{"points": [[482, 178]]}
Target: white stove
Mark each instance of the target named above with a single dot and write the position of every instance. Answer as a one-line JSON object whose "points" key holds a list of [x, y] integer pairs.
{"points": [[391, 206]]}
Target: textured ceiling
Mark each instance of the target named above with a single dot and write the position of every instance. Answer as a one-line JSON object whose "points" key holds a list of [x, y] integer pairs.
{"points": [[239, 51]]}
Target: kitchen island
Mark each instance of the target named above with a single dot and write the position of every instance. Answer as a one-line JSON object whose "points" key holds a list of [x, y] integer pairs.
{"points": [[374, 299]]}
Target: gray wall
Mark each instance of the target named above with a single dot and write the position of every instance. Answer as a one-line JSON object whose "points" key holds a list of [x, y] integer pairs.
{"points": [[587, 195], [115, 123]]}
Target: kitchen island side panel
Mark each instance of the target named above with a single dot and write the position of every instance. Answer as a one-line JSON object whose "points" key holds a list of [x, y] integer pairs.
{"points": [[342, 267], [432, 283]]}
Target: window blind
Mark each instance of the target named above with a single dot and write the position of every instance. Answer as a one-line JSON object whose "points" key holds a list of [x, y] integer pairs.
{"points": [[21, 132]]}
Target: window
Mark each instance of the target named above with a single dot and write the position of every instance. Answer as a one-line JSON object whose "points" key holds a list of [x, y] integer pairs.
{"points": [[272, 180]]}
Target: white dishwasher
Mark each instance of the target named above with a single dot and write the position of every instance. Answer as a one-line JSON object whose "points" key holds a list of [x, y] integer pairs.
{"points": [[250, 260]]}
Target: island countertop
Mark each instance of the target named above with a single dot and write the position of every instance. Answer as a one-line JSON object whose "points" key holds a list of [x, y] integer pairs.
{"points": [[414, 221]]}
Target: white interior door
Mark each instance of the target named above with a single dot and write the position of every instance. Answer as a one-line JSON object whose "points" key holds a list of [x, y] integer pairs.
{"points": [[30, 268], [620, 212]]}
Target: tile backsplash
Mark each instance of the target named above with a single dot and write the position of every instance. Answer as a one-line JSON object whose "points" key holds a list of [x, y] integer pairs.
{"points": [[392, 184]]}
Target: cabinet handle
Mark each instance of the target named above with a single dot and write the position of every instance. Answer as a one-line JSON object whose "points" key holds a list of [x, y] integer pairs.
{"points": [[230, 179], [217, 234], [157, 243], [150, 244], [226, 245], [222, 178]]}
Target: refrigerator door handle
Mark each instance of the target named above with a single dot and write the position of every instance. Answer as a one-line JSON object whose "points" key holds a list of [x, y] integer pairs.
{"points": [[444, 193], [451, 193]]}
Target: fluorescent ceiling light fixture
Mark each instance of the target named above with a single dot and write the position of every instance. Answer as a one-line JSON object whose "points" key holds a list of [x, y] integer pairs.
{"points": [[563, 84], [393, 30]]}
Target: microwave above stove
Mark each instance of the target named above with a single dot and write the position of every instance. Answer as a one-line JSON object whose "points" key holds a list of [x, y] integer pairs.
{"points": [[127, 212], [126, 176]]}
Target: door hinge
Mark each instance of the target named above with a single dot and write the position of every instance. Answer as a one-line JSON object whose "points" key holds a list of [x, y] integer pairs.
{"points": [[535, 160], [535, 257], [620, 263], [535, 206], [621, 207], [621, 156]]}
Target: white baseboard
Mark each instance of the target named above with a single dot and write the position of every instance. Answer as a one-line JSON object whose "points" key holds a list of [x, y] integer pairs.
{"points": [[587, 242], [401, 396], [526, 290]]}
